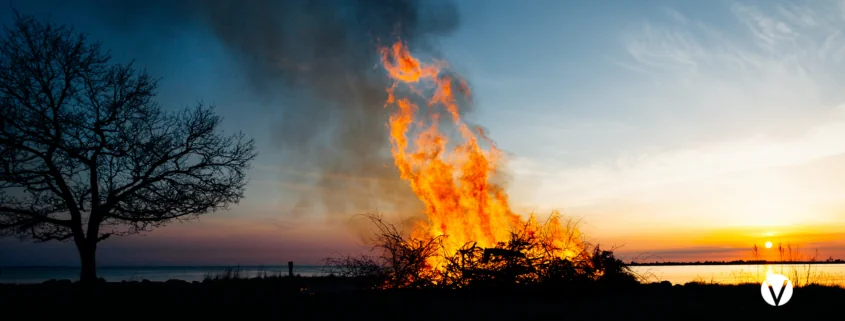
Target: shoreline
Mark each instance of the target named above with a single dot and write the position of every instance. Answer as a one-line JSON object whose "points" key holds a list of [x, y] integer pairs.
{"points": [[323, 279], [645, 272], [736, 263], [335, 297], [319, 266], [285, 266]]}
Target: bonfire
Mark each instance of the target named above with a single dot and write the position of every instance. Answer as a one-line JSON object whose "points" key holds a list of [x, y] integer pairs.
{"points": [[454, 175]]}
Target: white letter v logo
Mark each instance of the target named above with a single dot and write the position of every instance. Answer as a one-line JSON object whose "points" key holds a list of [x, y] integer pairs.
{"points": [[779, 294]]}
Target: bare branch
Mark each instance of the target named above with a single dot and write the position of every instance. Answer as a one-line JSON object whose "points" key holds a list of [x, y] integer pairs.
{"points": [[84, 147]]}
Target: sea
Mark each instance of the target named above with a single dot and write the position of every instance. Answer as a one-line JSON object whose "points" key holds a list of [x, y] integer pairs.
{"points": [[39, 274], [799, 274]]}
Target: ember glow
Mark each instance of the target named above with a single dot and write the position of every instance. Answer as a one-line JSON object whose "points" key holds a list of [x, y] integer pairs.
{"points": [[454, 179]]}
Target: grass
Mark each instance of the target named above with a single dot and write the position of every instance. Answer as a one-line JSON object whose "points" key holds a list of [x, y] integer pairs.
{"points": [[796, 265], [236, 273], [313, 298]]}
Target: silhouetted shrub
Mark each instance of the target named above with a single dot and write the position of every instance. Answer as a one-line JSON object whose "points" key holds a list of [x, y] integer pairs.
{"points": [[529, 258]]}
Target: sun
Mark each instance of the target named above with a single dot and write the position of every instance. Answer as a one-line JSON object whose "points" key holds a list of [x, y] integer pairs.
{"points": [[768, 245]]}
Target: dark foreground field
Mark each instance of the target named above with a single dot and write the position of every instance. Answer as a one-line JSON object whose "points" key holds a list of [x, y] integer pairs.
{"points": [[331, 298]]}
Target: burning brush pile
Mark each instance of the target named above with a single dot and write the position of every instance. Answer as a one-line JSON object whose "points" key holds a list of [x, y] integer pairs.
{"points": [[471, 237]]}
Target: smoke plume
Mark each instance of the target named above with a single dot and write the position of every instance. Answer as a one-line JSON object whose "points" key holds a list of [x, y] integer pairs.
{"points": [[323, 55]]}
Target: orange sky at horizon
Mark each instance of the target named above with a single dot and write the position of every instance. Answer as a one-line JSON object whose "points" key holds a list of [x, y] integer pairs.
{"points": [[226, 239], [734, 243]]}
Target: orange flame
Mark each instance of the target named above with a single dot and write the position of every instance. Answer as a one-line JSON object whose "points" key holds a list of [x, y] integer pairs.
{"points": [[454, 183]]}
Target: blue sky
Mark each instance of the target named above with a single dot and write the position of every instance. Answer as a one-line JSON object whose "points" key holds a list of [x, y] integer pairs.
{"points": [[639, 117]]}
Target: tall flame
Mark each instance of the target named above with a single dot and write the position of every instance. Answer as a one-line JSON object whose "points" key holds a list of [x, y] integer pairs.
{"points": [[453, 180]]}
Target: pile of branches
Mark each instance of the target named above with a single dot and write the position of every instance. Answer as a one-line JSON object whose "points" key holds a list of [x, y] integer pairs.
{"points": [[528, 258], [396, 262]]}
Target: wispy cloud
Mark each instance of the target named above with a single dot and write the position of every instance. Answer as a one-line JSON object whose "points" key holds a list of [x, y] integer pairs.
{"points": [[632, 172], [788, 36], [728, 103]]}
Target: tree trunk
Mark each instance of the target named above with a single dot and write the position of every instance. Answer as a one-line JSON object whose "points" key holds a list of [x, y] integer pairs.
{"points": [[87, 255]]}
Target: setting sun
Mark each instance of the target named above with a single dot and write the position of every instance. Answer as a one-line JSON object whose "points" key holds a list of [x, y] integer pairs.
{"points": [[768, 245]]}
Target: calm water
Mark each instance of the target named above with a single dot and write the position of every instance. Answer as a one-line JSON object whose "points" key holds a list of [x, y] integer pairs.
{"points": [[678, 274], [138, 273]]}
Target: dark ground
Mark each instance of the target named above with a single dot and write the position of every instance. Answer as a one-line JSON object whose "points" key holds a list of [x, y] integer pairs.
{"points": [[284, 298]]}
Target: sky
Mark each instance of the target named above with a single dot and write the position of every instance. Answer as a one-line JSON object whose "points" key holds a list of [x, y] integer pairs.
{"points": [[672, 130]]}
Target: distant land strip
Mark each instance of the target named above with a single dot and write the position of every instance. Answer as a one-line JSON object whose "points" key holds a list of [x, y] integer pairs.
{"points": [[738, 262]]}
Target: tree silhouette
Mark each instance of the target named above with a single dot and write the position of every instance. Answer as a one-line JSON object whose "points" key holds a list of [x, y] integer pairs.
{"points": [[86, 153]]}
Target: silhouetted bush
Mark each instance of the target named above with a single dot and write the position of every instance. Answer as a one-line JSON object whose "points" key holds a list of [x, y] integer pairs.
{"points": [[363, 268], [397, 262], [231, 273], [529, 258]]}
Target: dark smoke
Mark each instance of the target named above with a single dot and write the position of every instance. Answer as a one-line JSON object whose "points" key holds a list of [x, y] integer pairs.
{"points": [[322, 54]]}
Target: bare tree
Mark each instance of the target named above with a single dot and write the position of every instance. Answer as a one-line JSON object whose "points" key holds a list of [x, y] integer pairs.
{"points": [[86, 153]]}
